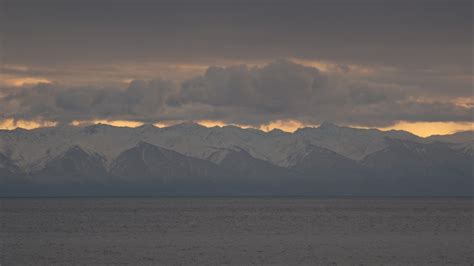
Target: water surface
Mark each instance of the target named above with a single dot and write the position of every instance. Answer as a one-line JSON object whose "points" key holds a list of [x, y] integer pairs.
{"points": [[237, 231]]}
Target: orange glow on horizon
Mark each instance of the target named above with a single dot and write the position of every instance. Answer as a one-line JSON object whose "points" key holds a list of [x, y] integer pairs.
{"points": [[18, 82], [426, 129], [286, 125], [217, 123], [422, 129], [115, 123], [11, 124]]}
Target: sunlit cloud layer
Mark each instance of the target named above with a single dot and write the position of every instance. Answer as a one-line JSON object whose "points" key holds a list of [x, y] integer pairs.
{"points": [[245, 95], [425, 129], [10, 124]]}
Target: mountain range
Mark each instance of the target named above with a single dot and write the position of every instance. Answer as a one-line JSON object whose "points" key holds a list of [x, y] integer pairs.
{"points": [[190, 159]]}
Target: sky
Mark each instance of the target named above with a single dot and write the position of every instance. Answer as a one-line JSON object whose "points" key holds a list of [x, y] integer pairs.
{"points": [[265, 64]]}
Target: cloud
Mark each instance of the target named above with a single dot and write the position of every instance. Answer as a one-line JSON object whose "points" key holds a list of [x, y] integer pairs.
{"points": [[433, 33], [279, 87], [240, 94]]}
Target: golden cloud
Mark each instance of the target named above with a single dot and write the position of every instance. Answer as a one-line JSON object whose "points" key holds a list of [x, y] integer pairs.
{"points": [[10, 124]]}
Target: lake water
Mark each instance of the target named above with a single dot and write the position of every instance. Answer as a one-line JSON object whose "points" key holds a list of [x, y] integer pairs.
{"points": [[238, 231]]}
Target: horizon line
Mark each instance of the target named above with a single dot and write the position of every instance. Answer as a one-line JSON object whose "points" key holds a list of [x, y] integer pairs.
{"points": [[266, 128]]}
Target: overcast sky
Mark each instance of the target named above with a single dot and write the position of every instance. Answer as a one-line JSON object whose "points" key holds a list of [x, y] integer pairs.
{"points": [[365, 63]]}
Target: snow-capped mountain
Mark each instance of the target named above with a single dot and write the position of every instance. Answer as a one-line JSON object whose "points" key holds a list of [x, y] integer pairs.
{"points": [[155, 164], [32, 149], [190, 153], [459, 137]]}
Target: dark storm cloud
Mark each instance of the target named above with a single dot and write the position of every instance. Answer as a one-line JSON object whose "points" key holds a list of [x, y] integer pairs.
{"points": [[281, 86], [142, 100], [402, 33], [236, 94]]}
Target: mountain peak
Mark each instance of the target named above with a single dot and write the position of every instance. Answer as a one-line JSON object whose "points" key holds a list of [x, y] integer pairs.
{"points": [[74, 151], [92, 129], [277, 132], [328, 125], [188, 125], [144, 144], [95, 128], [458, 137], [147, 126]]}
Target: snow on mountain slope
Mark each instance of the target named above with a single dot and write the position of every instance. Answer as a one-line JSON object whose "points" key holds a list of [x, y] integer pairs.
{"points": [[401, 155], [75, 165], [466, 148], [459, 137], [151, 163], [353, 143], [31, 149]]}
